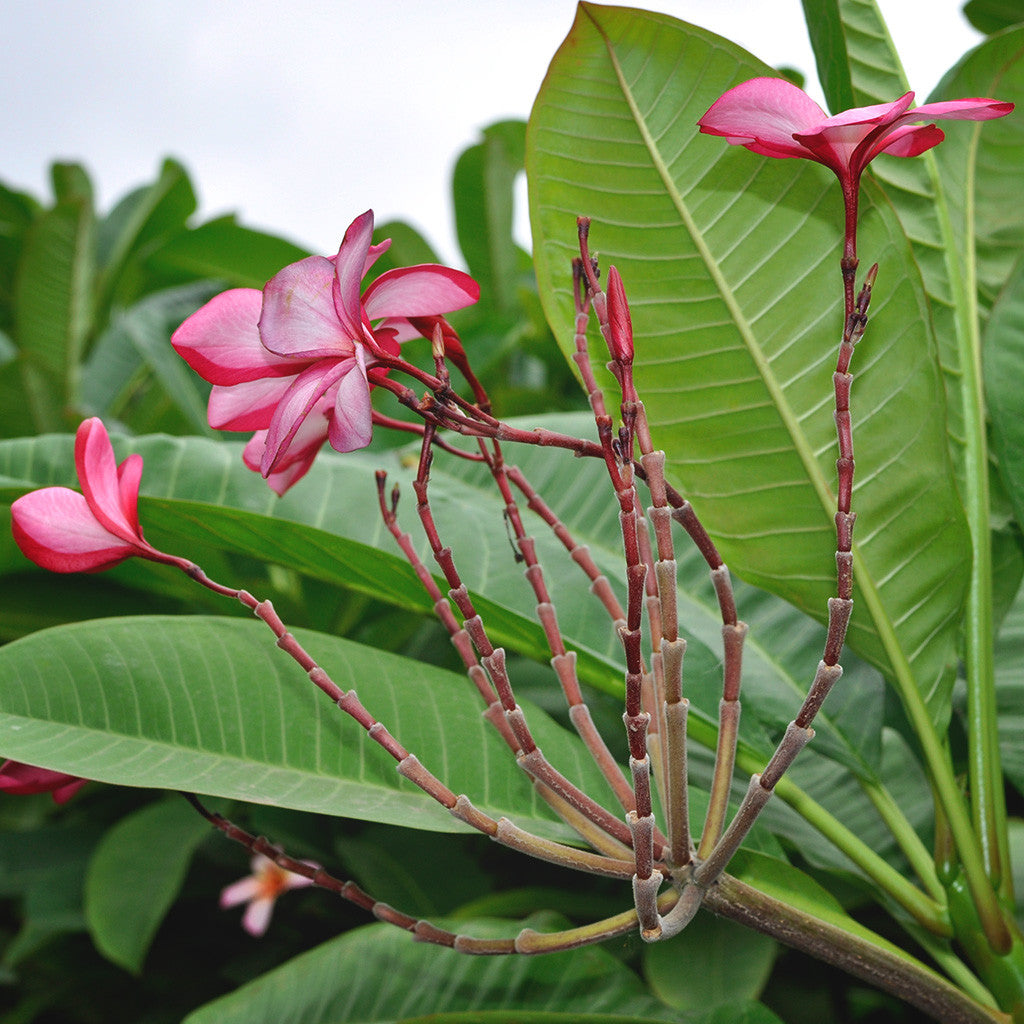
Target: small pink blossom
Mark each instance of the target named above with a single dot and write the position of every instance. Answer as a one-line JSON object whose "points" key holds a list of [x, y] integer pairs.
{"points": [[773, 117], [64, 531], [260, 890], [293, 362], [25, 780]]}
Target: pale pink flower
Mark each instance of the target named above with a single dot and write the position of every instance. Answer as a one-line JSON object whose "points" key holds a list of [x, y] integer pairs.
{"points": [[260, 890], [64, 531], [773, 117], [292, 362], [20, 779]]}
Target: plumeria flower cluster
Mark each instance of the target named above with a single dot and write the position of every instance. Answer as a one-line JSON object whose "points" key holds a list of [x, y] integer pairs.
{"points": [[295, 362]]}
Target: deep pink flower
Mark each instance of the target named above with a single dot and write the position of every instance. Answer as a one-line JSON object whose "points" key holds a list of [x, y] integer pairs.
{"points": [[65, 531], [291, 362], [773, 117], [25, 780], [260, 890]]}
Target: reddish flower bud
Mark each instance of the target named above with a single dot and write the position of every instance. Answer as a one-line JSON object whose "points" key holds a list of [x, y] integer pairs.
{"points": [[620, 325]]}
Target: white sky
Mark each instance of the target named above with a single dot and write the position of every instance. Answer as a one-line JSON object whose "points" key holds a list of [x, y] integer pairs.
{"points": [[299, 115]]}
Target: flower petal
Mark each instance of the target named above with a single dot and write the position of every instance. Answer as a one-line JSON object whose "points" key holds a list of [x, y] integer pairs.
{"points": [[97, 474], [297, 466], [298, 318], [247, 406], [256, 918], [763, 114], [975, 108], [297, 404], [419, 291], [20, 779], [351, 425], [55, 528], [909, 140], [350, 268], [242, 891], [221, 340]]}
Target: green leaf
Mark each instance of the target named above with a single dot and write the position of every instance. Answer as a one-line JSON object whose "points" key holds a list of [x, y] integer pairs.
{"points": [[401, 980], [1009, 667], [199, 493], [209, 705], [482, 189], [825, 27], [1003, 362], [717, 248], [990, 16], [408, 247], [222, 249], [140, 222], [979, 165], [53, 306], [135, 875], [712, 963]]}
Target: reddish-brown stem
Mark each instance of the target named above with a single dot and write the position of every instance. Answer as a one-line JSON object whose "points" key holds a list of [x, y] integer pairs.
{"points": [[527, 942]]}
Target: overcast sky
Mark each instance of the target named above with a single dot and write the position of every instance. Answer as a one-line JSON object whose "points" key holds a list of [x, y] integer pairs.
{"points": [[300, 115]]}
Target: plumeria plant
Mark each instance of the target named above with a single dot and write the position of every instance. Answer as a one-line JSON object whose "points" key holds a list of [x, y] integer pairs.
{"points": [[687, 543]]}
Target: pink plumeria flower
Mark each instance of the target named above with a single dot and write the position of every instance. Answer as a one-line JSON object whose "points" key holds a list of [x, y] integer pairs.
{"points": [[293, 362], [260, 890], [64, 531], [773, 117], [19, 779]]}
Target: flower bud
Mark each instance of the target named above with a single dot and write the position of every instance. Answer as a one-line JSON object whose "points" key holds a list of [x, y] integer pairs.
{"points": [[620, 326]]}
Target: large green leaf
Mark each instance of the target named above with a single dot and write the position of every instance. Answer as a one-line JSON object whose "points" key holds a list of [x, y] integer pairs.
{"points": [[140, 222], [482, 187], [980, 166], [828, 40], [209, 705], [378, 975], [1003, 361], [721, 251], [201, 495], [224, 250], [53, 306]]}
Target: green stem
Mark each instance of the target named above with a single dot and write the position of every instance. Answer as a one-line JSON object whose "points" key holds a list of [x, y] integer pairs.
{"points": [[876, 962], [985, 771], [928, 912], [909, 841]]}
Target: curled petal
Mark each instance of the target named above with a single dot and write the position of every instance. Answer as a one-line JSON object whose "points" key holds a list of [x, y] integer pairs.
{"points": [[55, 528], [98, 476], [298, 403], [298, 319], [350, 266], [419, 291], [910, 140], [221, 340], [351, 425], [285, 475]]}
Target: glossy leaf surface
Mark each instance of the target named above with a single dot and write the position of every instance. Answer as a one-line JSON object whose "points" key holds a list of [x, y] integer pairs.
{"points": [[718, 248]]}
